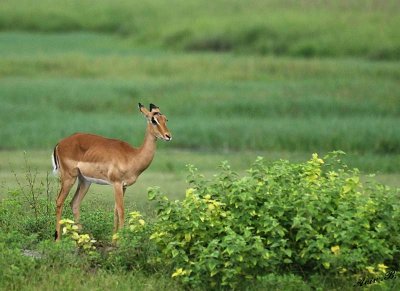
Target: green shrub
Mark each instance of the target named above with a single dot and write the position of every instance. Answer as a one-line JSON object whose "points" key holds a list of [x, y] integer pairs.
{"points": [[82, 241], [11, 211], [316, 217], [17, 215], [60, 255], [14, 266], [98, 221], [135, 251], [29, 209]]}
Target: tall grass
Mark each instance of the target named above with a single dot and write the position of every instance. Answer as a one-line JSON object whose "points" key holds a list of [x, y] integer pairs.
{"points": [[213, 101], [37, 113], [295, 28]]}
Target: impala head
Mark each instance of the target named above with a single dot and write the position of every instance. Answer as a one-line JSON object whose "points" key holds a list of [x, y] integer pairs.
{"points": [[157, 121]]}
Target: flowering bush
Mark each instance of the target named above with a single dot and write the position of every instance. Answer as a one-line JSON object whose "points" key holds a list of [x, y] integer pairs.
{"points": [[301, 218], [82, 241]]}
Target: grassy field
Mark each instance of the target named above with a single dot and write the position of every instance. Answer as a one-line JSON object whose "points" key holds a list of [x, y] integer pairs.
{"points": [[296, 28], [65, 84], [237, 80]]}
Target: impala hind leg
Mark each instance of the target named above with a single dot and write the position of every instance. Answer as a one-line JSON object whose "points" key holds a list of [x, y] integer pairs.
{"points": [[119, 216], [81, 190], [66, 185]]}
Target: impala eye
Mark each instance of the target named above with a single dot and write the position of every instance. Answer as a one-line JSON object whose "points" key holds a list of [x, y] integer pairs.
{"points": [[154, 121]]}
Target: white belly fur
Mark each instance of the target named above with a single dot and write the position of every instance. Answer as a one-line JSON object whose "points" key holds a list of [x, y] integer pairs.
{"points": [[96, 181]]}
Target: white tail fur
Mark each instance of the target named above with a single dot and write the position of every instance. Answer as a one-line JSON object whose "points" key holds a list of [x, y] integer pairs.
{"points": [[54, 162]]}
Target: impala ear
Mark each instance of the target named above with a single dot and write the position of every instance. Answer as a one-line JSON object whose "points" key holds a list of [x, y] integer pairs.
{"points": [[154, 108], [143, 110]]}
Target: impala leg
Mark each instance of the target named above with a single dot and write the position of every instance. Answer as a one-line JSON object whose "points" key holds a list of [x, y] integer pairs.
{"points": [[119, 207], [115, 219], [66, 185], [81, 190]]}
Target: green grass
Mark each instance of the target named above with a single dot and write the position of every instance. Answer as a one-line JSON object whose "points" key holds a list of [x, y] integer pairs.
{"points": [[66, 270], [295, 28], [251, 103], [168, 171]]}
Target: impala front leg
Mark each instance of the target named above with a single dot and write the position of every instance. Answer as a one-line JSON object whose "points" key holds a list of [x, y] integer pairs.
{"points": [[119, 216]]}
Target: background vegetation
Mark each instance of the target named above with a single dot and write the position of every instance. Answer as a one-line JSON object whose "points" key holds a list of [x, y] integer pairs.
{"points": [[296, 28], [280, 79]]}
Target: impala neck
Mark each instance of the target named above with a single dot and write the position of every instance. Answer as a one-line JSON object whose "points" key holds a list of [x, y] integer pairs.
{"points": [[148, 149]]}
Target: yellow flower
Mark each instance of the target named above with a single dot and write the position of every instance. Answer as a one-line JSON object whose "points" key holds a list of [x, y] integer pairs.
{"points": [[179, 272], [141, 222], [158, 235], [66, 221], [75, 236], [83, 238], [326, 265], [335, 250], [370, 269], [189, 192], [382, 268], [115, 237], [135, 214], [318, 160]]}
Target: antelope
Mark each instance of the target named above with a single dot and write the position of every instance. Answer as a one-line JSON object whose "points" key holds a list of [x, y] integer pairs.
{"points": [[91, 158]]}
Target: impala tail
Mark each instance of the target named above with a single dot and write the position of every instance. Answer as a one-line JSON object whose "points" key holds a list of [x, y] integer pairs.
{"points": [[54, 160]]}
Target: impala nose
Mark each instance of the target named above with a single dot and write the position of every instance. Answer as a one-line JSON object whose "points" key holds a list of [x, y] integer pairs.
{"points": [[168, 137]]}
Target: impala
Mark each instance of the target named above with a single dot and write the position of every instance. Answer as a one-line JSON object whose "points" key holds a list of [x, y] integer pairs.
{"points": [[91, 159]]}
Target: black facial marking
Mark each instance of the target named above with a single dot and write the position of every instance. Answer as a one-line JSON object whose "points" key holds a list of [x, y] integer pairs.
{"points": [[152, 106]]}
